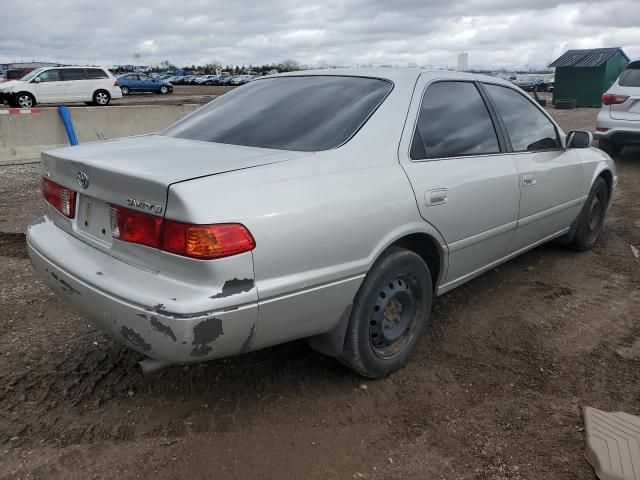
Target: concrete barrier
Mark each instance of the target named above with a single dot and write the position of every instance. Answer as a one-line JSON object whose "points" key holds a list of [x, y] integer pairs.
{"points": [[24, 135]]}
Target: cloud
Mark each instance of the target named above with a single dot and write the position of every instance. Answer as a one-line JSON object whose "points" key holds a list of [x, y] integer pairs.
{"points": [[495, 33]]}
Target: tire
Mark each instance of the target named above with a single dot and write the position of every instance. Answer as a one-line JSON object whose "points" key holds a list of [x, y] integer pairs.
{"points": [[101, 98], [125, 90], [390, 313], [569, 104], [164, 90], [24, 100], [613, 149], [591, 218]]}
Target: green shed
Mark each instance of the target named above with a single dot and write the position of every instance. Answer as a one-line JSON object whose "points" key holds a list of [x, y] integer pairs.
{"points": [[584, 75]]}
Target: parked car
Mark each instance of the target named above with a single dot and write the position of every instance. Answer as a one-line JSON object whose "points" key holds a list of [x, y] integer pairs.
{"points": [[618, 122], [241, 79], [375, 191], [139, 82], [531, 83], [93, 85], [226, 80], [208, 80]]}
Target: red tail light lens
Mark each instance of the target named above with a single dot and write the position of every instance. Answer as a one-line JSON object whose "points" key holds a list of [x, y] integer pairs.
{"points": [[135, 227], [116, 83], [206, 241], [63, 199], [613, 99]]}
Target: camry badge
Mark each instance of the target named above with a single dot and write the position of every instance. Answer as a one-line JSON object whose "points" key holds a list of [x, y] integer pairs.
{"points": [[83, 179]]}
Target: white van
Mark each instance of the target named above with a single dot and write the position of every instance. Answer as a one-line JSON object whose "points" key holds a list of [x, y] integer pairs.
{"points": [[92, 85]]}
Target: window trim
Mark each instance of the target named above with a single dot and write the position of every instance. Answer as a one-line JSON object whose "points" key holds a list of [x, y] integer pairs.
{"points": [[492, 116], [505, 132]]}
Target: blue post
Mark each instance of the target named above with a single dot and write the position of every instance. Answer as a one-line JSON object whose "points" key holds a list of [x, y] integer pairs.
{"points": [[68, 124]]}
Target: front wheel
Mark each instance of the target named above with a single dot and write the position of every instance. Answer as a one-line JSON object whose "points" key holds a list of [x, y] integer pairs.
{"points": [[125, 90], [164, 89], [591, 218], [24, 100], [101, 98], [390, 313]]}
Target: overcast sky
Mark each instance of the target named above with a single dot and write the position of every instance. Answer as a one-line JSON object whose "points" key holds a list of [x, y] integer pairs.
{"points": [[495, 33]]}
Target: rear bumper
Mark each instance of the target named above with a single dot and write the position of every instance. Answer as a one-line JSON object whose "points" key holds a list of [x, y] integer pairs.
{"points": [[148, 328], [626, 132]]}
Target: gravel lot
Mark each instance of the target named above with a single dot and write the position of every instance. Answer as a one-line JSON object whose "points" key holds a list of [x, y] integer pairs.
{"points": [[495, 392]]}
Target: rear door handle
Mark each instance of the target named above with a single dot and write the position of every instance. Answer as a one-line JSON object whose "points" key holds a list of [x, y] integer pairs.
{"points": [[528, 179], [436, 197]]}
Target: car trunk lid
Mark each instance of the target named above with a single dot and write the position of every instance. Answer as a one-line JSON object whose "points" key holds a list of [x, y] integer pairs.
{"points": [[136, 173]]}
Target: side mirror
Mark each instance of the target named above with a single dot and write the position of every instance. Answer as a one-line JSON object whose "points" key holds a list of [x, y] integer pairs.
{"points": [[579, 139], [37, 80]]}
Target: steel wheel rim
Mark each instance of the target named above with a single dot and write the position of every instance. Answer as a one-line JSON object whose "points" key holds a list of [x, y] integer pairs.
{"points": [[25, 101], [394, 316], [101, 98]]}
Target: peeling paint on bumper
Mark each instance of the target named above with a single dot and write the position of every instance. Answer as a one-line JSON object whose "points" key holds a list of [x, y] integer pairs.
{"points": [[155, 332]]}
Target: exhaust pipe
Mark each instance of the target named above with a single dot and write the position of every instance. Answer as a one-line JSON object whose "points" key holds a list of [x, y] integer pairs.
{"points": [[151, 365]]}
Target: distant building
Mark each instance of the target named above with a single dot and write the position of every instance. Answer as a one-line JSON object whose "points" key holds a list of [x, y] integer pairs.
{"points": [[584, 75], [26, 65], [463, 62]]}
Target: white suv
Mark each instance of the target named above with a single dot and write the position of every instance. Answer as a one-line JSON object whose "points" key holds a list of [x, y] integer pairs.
{"points": [[92, 85], [618, 123]]}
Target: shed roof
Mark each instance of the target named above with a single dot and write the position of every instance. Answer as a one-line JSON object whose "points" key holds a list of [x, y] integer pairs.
{"points": [[591, 57]]}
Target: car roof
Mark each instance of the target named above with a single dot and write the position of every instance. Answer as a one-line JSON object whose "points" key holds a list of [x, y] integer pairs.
{"points": [[398, 76]]}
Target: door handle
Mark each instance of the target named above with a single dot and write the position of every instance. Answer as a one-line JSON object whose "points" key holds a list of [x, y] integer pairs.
{"points": [[528, 179], [436, 197]]}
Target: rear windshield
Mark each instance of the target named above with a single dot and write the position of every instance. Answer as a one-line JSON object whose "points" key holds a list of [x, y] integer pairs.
{"points": [[631, 76], [288, 113]]}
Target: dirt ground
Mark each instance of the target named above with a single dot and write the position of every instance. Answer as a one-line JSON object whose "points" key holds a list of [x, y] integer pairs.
{"points": [[495, 391]]}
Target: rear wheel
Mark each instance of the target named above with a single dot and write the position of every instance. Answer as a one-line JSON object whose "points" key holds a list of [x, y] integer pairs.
{"points": [[125, 90], [390, 314], [164, 89], [101, 98], [612, 148], [592, 216]]}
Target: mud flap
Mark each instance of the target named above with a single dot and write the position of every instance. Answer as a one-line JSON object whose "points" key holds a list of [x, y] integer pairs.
{"points": [[332, 342]]}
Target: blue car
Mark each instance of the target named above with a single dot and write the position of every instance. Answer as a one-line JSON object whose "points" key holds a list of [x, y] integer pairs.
{"points": [[138, 82]]}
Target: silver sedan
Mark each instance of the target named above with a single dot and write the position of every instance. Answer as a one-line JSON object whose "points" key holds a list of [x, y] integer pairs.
{"points": [[328, 205]]}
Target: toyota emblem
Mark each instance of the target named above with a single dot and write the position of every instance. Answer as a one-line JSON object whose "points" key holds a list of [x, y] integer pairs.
{"points": [[83, 179]]}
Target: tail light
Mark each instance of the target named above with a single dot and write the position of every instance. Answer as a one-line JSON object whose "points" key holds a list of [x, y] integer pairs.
{"points": [[613, 99], [204, 242], [63, 199], [116, 83], [135, 227]]}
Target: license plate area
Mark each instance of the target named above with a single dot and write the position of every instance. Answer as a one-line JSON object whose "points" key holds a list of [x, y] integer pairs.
{"points": [[94, 219]]}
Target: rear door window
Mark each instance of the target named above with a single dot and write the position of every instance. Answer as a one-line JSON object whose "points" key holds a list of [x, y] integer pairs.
{"points": [[453, 122], [67, 74], [527, 127], [96, 73]]}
